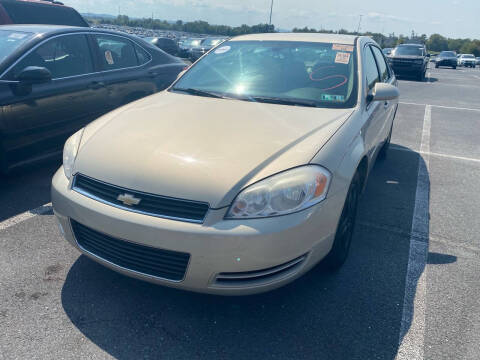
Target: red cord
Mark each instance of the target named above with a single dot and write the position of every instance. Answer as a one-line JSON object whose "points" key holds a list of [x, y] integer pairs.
{"points": [[343, 77]]}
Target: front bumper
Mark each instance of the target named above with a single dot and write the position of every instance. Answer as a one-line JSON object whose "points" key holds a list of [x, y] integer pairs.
{"points": [[216, 247], [446, 63], [407, 68]]}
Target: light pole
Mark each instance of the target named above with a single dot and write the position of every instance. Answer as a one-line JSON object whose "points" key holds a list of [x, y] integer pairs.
{"points": [[271, 10]]}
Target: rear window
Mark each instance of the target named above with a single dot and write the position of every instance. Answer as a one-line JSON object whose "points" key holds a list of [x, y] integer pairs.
{"points": [[31, 13], [447, 53]]}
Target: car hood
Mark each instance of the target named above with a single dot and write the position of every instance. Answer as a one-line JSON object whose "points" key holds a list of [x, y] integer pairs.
{"points": [[200, 148]]}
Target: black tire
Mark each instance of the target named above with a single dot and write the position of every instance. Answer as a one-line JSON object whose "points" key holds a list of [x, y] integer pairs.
{"points": [[436, 66], [421, 76], [346, 225], [382, 154], [454, 67]]}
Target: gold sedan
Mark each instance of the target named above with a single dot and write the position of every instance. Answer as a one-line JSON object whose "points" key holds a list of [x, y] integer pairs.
{"points": [[240, 177]]}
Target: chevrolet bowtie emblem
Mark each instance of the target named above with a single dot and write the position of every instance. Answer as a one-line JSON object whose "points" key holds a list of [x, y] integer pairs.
{"points": [[128, 199]]}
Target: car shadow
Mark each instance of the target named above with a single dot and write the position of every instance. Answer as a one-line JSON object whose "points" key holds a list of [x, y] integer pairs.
{"points": [[26, 188], [414, 79], [355, 313]]}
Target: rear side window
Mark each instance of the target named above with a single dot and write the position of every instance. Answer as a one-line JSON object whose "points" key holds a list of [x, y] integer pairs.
{"points": [[142, 55], [370, 68], [31, 13], [116, 52], [64, 56], [382, 65]]}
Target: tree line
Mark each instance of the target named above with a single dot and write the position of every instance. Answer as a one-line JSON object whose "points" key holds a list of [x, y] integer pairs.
{"points": [[434, 42], [197, 27]]}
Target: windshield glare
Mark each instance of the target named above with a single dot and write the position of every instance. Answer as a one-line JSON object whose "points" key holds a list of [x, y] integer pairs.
{"points": [[211, 42], [10, 41], [322, 73], [408, 50]]}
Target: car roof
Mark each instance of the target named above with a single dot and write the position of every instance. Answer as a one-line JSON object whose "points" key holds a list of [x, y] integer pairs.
{"points": [[306, 37]]}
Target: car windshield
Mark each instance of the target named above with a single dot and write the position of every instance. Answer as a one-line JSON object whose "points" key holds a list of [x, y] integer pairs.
{"points": [[408, 50], [447, 54], [283, 72], [211, 42], [468, 57], [10, 41]]}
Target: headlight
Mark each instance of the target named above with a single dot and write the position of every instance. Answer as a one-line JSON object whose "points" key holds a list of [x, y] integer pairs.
{"points": [[70, 152], [281, 194]]}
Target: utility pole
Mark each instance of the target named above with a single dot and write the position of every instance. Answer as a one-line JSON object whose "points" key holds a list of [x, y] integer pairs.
{"points": [[271, 10], [359, 24]]}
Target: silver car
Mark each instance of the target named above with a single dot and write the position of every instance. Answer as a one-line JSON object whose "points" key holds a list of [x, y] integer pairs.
{"points": [[240, 177]]}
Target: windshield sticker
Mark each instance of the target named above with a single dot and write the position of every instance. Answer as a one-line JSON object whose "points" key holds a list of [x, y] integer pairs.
{"points": [[109, 57], [342, 58], [328, 97], [18, 36], [222, 50], [340, 47]]}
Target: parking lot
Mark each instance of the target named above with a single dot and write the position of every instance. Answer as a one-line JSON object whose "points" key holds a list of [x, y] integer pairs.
{"points": [[409, 290]]}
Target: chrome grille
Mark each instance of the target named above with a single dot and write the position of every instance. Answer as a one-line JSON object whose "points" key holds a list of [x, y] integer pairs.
{"points": [[149, 204]]}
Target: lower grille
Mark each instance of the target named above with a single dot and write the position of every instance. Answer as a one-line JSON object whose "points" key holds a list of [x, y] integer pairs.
{"points": [[165, 264], [259, 276]]}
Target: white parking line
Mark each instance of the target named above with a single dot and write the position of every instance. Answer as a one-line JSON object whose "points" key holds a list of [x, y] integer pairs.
{"points": [[25, 216], [454, 157], [412, 331], [439, 106]]}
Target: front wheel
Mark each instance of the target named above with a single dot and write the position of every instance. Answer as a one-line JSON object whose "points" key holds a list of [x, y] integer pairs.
{"points": [[346, 225], [454, 67]]}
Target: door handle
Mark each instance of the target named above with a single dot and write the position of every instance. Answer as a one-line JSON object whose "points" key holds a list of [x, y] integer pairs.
{"points": [[96, 85]]}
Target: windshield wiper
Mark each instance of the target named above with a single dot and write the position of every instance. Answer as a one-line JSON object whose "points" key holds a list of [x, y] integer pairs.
{"points": [[199, 92], [282, 101]]}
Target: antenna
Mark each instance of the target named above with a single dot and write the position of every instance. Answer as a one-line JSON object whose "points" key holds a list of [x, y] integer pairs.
{"points": [[359, 24], [271, 10]]}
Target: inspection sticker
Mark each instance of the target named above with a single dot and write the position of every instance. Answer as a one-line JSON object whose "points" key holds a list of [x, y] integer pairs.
{"points": [[109, 57], [222, 50], [342, 58], [340, 47], [328, 97]]}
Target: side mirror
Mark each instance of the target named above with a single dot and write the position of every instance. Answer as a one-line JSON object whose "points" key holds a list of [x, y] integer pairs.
{"points": [[428, 55], [383, 92], [34, 75]]}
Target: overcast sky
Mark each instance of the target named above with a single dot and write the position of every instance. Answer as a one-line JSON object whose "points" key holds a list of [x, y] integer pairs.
{"points": [[452, 18]]}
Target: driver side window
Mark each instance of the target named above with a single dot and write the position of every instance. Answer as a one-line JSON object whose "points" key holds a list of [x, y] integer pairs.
{"points": [[370, 68], [63, 56]]}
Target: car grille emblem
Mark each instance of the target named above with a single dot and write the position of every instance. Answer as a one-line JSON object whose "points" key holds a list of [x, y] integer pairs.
{"points": [[128, 199]]}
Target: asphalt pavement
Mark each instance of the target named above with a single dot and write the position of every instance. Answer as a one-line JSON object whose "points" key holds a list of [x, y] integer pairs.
{"points": [[409, 290]]}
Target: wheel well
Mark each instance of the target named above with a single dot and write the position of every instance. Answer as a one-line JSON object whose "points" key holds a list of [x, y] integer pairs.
{"points": [[362, 171]]}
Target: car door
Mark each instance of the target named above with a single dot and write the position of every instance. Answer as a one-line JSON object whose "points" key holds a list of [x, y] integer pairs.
{"points": [[387, 77], [123, 69], [375, 111], [38, 121]]}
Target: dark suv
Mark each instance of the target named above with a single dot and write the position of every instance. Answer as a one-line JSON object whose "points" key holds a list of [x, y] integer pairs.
{"points": [[409, 59], [39, 12]]}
